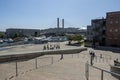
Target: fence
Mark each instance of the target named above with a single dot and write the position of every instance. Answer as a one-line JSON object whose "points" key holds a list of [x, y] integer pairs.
{"points": [[99, 58], [95, 73], [103, 59], [13, 69]]}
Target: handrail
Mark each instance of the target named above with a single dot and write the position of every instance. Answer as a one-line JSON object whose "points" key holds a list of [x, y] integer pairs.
{"points": [[105, 70], [87, 65]]}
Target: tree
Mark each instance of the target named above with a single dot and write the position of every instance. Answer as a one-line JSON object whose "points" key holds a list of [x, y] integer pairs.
{"points": [[74, 37], [16, 35], [70, 38], [78, 37], [2, 35]]}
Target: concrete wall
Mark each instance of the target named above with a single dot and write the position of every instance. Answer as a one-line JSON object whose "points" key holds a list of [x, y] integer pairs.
{"points": [[29, 55]]}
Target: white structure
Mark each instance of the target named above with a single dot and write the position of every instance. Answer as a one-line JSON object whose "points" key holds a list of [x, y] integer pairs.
{"points": [[57, 38]]}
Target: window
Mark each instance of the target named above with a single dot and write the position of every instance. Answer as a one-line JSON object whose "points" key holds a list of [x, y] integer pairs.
{"points": [[111, 22], [110, 30], [116, 30], [111, 17], [116, 22], [109, 38], [115, 38]]}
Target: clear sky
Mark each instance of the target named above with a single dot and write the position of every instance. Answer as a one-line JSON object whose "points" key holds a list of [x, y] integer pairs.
{"points": [[41, 14]]}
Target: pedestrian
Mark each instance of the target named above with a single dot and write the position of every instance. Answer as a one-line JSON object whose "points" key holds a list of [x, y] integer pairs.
{"points": [[50, 46], [61, 56], [44, 47], [92, 55], [47, 46], [54, 46], [100, 55]]}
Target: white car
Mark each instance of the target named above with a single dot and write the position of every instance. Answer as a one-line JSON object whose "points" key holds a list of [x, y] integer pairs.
{"points": [[25, 39], [10, 40], [1, 41]]}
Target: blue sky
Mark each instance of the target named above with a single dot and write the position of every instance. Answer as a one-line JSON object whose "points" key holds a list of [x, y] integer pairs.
{"points": [[41, 14]]}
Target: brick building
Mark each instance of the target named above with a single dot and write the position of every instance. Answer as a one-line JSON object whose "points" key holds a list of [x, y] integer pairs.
{"points": [[113, 28]]}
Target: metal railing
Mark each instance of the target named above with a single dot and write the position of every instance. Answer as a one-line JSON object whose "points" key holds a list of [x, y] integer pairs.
{"points": [[102, 71], [15, 68]]}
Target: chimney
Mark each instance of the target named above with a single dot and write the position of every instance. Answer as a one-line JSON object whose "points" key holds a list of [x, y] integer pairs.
{"points": [[58, 23], [63, 23]]}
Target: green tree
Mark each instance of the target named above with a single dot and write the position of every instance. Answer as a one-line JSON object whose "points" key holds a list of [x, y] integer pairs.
{"points": [[78, 37], [2, 35], [74, 37], [16, 35], [17, 39], [70, 38]]}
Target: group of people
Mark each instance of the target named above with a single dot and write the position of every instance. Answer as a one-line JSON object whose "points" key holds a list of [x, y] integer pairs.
{"points": [[51, 46], [117, 62]]}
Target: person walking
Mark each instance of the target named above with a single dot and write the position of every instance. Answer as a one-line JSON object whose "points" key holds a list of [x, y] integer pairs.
{"points": [[61, 56], [92, 56], [44, 47]]}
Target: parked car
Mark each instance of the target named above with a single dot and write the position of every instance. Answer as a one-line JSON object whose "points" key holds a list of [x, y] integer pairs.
{"points": [[25, 39], [5, 40], [10, 40], [1, 41]]}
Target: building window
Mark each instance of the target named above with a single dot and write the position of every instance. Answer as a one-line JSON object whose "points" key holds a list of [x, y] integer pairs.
{"points": [[111, 17], [103, 32], [116, 30], [115, 38], [111, 22], [110, 30], [109, 38], [116, 22]]}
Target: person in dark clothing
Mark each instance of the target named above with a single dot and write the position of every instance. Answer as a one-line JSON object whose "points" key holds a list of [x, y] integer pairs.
{"points": [[92, 55], [47, 46], [100, 55], [61, 56], [44, 47]]}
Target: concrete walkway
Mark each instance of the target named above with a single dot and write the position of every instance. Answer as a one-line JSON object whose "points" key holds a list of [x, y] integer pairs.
{"points": [[72, 67]]}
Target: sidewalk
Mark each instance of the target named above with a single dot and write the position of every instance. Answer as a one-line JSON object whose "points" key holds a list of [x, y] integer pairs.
{"points": [[72, 67]]}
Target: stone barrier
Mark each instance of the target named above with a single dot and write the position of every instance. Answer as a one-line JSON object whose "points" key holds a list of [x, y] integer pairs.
{"points": [[33, 54]]}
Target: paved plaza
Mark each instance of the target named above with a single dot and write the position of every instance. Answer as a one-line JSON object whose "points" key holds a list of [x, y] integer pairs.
{"points": [[71, 67]]}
